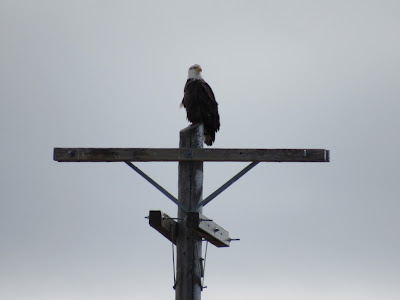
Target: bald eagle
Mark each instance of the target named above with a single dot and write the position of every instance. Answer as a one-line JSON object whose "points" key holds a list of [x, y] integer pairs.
{"points": [[200, 104]]}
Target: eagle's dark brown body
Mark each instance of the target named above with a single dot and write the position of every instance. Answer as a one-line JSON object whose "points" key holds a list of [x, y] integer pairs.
{"points": [[201, 107]]}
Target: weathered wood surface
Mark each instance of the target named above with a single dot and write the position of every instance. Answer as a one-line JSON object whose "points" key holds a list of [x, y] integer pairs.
{"points": [[189, 154], [188, 243], [164, 224], [208, 229]]}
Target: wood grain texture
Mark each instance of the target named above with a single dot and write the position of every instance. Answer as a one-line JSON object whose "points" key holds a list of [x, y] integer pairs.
{"points": [[188, 243], [164, 224], [189, 154], [208, 229]]}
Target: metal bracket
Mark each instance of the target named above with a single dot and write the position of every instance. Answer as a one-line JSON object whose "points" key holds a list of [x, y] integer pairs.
{"points": [[205, 201], [156, 185], [226, 185]]}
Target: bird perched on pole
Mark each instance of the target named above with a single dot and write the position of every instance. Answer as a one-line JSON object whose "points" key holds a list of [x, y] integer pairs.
{"points": [[200, 104]]}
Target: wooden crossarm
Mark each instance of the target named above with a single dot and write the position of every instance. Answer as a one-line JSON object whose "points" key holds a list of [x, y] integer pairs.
{"points": [[189, 154], [208, 229], [164, 224]]}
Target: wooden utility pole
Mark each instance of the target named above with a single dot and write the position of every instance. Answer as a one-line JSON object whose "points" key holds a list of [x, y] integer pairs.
{"points": [[191, 225], [188, 244]]}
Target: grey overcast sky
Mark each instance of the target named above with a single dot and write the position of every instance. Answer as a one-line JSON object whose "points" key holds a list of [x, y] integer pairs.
{"points": [[286, 74]]}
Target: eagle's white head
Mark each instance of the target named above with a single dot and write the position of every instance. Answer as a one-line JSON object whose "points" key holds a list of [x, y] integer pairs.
{"points": [[195, 72]]}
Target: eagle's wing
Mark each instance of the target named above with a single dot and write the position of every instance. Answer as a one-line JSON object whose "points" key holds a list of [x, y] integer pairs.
{"points": [[201, 107], [210, 108]]}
